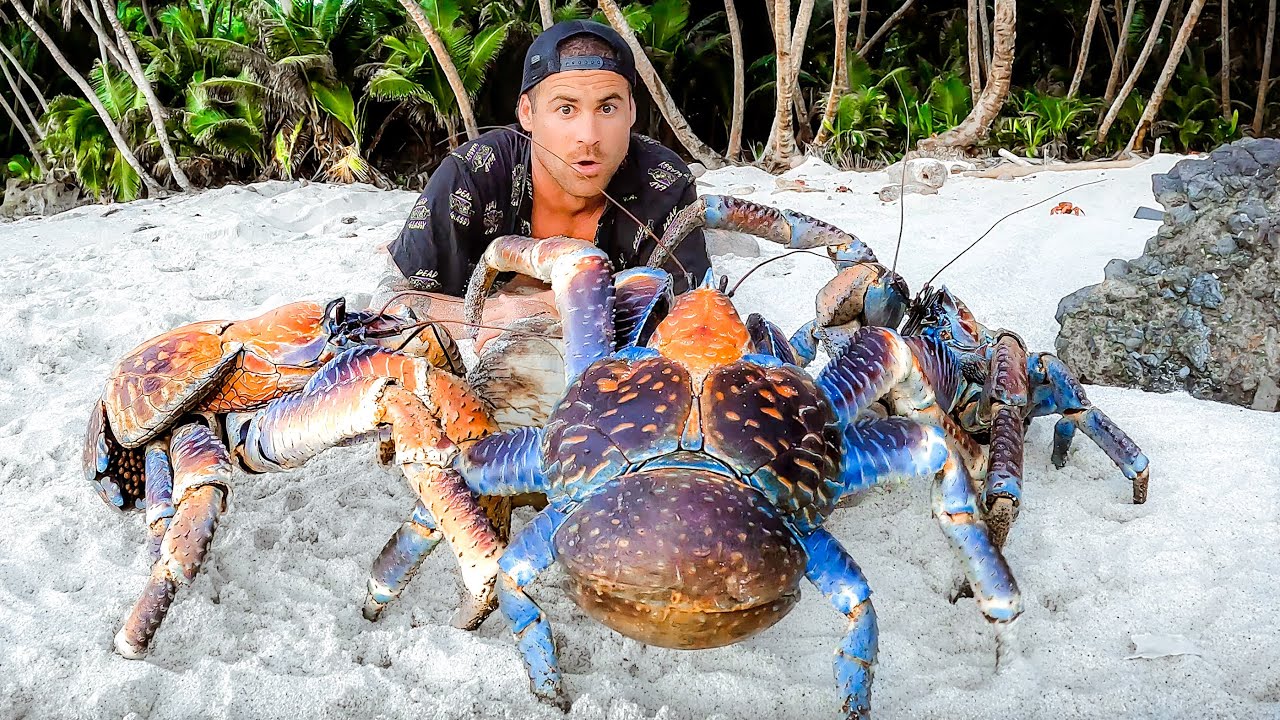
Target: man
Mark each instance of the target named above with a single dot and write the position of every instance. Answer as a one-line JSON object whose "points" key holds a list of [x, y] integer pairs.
{"points": [[577, 106]]}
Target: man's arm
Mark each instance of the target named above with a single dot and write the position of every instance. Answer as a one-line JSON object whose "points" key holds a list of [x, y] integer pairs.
{"points": [[432, 251]]}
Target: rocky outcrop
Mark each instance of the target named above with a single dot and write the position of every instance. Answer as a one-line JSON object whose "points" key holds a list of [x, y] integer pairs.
{"points": [[1200, 309], [48, 198]]}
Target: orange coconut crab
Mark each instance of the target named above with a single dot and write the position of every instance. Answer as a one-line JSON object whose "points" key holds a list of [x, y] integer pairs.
{"points": [[268, 394]]}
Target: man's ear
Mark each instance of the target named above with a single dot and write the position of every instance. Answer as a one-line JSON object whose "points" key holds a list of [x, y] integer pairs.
{"points": [[524, 111], [632, 102]]}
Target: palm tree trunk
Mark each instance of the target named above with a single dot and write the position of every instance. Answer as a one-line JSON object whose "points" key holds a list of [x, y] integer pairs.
{"points": [[544, 9], [106, 46], [739, 81], [862, 27], [17, 94], [698, 149], [1170, 64], [1260, 110], [987, 106], [446, 66], [886, 27], [985, 23], [122, 146], [1094, 7], [840, 75], [151, 23], [975, 65], [153, 103], [22, 72], [1122, 46], [1225, 75], [783, 142], [1157, 24], [799, 34], [22, 129]]}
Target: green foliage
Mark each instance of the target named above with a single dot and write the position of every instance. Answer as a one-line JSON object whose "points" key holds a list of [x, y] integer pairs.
{"points": [[21, 167], [1042, 122]]}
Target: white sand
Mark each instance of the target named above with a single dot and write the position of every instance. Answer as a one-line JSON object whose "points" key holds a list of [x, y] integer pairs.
{"points": [[272, 628]]}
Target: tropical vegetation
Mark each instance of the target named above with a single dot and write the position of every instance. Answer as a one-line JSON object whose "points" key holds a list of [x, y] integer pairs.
{"points": [[141, 97]]}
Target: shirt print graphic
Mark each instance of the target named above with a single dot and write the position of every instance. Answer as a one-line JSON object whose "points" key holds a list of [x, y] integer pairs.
{"points": [[517, 184], [419, 215], [492, 217], [460, 207], [480, 157], [663, 176]]}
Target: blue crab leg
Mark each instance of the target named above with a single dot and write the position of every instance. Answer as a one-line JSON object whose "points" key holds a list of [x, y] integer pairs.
{"points": [[530, 553], [1057, 391], [838, 578], [580, 276], [399, 560], [784, 227], [159, 491], [202, 470], [505, 463], [879, 451]]}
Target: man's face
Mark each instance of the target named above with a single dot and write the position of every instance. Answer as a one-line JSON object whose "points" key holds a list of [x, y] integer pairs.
{"points": [[584, 117]]}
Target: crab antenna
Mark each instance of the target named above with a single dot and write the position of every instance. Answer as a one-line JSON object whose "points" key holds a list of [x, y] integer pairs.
{"points": [[902, 179], [993, 227], [762, 263]]}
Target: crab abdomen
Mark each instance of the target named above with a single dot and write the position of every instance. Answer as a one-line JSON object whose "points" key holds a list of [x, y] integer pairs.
{"points": [[682, 558]]}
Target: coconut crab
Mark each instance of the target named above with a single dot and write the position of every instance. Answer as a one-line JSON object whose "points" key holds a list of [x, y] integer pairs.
{"points": [[690, 464], [268, 394]]}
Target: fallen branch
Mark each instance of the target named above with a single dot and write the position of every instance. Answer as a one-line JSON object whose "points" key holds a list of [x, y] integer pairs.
{"points": [[1006, 171]]}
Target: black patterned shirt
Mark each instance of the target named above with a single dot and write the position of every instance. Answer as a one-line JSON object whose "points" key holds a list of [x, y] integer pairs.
{"points": [[483, 190]]}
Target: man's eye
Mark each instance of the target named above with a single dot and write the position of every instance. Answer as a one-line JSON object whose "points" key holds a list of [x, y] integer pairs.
{"points": [[565, 109], [608, 109]]}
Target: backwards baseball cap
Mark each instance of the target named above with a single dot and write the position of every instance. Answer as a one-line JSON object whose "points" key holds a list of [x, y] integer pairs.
{"points": [[543, 57]]}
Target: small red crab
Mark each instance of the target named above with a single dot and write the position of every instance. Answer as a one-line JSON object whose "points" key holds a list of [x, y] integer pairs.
{"points": [[1066, 208]]}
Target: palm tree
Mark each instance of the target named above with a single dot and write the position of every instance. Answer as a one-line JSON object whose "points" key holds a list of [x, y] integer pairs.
{"points": [[1225, 74], [1171, 64], [658, 90], [411, 77], [22, 101], [446, 64], [1157, 25], [782, 145], [1094, 7], [26, 136], [134, 66], [739, 80], [1260, 110], [839, 75], [121, 145], [987, 105], [22, 72]]}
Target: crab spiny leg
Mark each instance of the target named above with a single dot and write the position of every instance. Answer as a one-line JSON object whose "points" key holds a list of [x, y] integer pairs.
{"points": [[202, 468], [579, 274], [159, 490], [784, 227], [506, 463], [1004, 400], [1059, 392], [399, 560], [955, 506], [838, 578], [530, 553], [352, 396]]}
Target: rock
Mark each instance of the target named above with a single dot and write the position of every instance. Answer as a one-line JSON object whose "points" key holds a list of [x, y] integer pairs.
{"points": [[796, 161], [1267, 395], [889, 193], [697, 169], [48, 198], [1198, 310], [921, 171]]}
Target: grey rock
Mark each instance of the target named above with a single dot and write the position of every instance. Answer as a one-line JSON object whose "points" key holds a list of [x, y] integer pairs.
{"points": [[47, 198], [1197, 311]]}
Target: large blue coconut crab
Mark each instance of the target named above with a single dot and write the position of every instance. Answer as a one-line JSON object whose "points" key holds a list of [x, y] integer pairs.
{"points": [[691, 463], [269, 393]]}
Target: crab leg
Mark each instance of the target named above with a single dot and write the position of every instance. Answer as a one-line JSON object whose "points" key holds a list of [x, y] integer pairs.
{"points": [[784, 227], [202, 469], [400, 560], [530, 553], [1057, 391], [579, 274], [352, 396], [879, 451], [1004, 400], [838, 578], [159, 490], [506, 463]]}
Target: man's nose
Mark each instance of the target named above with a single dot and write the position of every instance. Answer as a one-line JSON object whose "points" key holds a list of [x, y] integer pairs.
{"points": [[587, 130]]}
